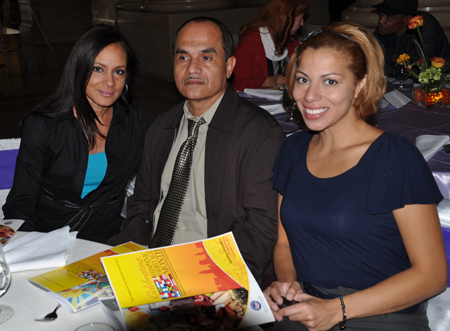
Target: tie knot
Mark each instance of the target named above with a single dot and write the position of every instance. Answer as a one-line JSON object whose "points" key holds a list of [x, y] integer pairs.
{"points": [[193, 126]]}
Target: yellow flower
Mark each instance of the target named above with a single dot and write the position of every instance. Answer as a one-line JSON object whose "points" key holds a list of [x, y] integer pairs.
{"points": [[437, 62], [403, 58], [415, 22]]}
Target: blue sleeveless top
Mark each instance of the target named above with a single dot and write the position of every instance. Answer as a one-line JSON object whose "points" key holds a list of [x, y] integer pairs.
{"points": [[95, 172], [341, 229]]}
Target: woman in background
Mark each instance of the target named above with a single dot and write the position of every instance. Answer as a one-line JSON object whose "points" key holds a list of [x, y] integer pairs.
{"points": [[266, 43], [360, 246], [80, 146]]}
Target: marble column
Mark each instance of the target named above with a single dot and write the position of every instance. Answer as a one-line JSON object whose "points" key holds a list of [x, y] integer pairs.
{"points": [[362, 12], [60, 21], [252, 3], [183, 6], [149, 25]]}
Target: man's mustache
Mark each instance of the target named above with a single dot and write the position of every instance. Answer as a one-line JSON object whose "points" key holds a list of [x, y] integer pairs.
{"points": [[195, 77]]}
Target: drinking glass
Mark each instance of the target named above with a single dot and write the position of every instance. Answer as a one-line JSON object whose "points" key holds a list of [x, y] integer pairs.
{"points": [[400, 74], [290, 106], [5, 280]]}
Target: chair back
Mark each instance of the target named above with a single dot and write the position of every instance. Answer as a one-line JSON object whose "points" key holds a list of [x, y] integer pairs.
{"points": [[9, 148]]}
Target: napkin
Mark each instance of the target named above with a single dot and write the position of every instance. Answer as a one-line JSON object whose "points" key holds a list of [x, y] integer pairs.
{"points": [[444, 212], [37, 250], [274, 109], [429, 145], [265, 93], [396, 98]]}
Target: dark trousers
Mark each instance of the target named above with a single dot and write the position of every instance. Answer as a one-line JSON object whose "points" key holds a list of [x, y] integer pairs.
{"points": [[385, 322]]}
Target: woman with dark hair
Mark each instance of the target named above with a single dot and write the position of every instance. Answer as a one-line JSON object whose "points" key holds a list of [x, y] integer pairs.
{"points": [[266, 43], [360, 246], [80, 146]]}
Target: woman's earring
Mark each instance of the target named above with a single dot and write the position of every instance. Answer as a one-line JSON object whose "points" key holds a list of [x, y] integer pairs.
{"points": [[126, 89]]}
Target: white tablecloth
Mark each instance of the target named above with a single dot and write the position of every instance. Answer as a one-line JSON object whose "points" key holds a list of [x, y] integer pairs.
{"points": [[29, 303]]}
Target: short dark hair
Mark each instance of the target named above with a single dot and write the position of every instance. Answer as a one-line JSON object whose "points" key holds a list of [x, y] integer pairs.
{"points": [[71, 91], [227, 37]]}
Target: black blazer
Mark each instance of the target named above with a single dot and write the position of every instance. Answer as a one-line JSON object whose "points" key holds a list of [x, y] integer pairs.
{"points": [[51, 168], [241, 145]]}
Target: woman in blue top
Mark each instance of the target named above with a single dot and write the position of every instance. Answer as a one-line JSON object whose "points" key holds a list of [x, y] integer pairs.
{"points": [[359, 236], [80, 146]]}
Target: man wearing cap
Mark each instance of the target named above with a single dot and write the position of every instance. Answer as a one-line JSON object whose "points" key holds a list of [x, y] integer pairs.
{"points": [[393, 33]]}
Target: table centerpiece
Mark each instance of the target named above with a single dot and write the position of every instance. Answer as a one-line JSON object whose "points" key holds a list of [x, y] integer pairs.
{"points": [[432, 73]]}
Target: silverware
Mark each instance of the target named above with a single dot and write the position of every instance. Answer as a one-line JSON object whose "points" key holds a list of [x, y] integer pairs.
{"points": [[49, 317], [447, 148]]}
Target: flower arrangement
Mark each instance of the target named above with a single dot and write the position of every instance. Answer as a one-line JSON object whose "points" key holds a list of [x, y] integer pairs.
{"points": [[433, 73]]}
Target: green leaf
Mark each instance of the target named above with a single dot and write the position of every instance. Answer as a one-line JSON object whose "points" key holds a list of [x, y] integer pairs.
{"points": [[420, 52]]}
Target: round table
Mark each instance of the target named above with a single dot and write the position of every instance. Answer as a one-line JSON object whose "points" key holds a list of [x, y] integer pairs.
{"points": [[29, 303]]}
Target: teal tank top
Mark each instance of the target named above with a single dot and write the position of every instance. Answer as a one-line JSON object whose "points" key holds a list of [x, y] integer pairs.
{"points": [[95, 172]]}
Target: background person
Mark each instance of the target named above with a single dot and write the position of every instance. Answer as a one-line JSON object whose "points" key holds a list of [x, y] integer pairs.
{"points": [[266, 43], [228, 185], [393, 33], [357, 206], [80, 146]]}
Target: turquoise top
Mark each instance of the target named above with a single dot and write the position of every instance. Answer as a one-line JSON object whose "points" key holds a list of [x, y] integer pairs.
{"points": [[95, 172]]}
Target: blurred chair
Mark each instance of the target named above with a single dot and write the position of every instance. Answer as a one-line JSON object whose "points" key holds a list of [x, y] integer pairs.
{"points": [[9, 148]]}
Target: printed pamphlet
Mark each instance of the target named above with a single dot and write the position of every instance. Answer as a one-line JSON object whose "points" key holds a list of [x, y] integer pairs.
{"points": [[79, 285], [8, 228], [202, 285]]}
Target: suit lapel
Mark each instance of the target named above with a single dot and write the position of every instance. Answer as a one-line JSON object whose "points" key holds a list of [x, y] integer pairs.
{"points": [[216, 155]]}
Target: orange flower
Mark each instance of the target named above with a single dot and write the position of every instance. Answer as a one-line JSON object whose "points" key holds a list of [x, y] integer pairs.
{"points": [[437, 62], [415, 22], [403, 58]]}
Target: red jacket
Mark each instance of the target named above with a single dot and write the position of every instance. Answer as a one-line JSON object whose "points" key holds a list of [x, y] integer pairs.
{"points": [[251, 63]]}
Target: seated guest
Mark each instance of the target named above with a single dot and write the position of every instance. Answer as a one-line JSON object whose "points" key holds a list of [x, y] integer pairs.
{"points": [[393, 33], [80, 146], [207, 161], [266, 43], [359, 239]]}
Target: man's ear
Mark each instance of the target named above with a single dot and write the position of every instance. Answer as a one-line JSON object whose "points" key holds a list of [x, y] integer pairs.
{"points": [[406, 19], [231, 63]]}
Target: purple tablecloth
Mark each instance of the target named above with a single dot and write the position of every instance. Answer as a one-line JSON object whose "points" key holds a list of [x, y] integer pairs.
{"points": [[7, 164], [412, 121]]}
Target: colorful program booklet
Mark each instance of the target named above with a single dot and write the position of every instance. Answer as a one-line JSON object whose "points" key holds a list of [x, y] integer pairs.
{"points": [[79, 285], [8, 228], [203, 285]]}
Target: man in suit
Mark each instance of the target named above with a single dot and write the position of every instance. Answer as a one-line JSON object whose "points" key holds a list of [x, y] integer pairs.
{"points": [[229, 185], [395, 37]]}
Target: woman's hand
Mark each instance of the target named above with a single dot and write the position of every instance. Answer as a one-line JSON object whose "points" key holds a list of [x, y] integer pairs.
{"points": [[274, 81], [314, 313], [276, 291]]}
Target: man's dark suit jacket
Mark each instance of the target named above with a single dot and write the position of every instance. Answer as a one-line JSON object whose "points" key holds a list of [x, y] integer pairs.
{"points": [[241, 145]]}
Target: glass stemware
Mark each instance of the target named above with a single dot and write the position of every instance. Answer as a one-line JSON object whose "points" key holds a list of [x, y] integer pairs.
{"points": [[290, 106], [5, 280], [400, 74]]}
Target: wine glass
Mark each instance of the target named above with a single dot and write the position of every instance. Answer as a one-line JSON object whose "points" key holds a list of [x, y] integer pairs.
{"points": [[290, 106], [400, 74], [5, 280]]}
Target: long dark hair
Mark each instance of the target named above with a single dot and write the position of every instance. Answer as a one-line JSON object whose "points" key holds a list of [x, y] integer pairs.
{"points": [[279, 17], [71, 91]]}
